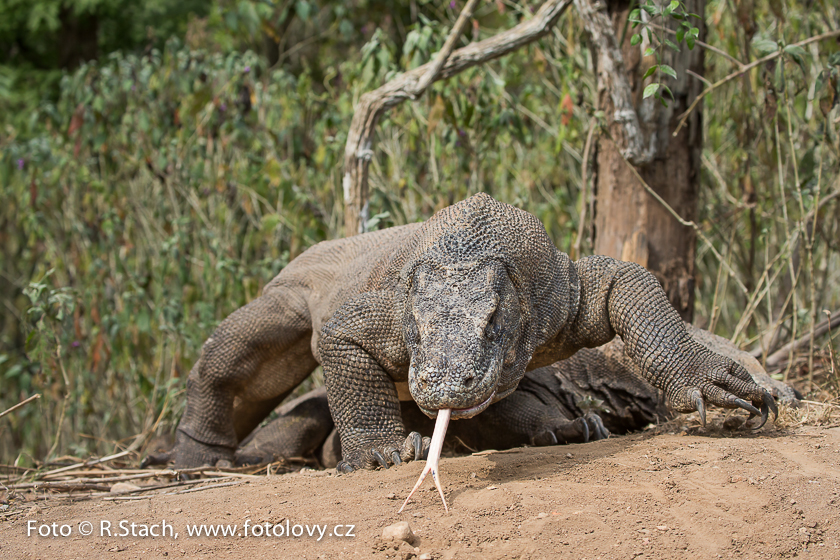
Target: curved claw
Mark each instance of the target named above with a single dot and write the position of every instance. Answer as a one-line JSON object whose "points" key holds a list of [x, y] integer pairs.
{"points": [[699, 405], [380, 458], [395, 457], [585, 430], [768, 405], [344, 467], [601, 432], [746, 406], [418, 445], [547, 438]]}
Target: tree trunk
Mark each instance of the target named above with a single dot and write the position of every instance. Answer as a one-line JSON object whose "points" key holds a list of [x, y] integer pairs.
{"points": [[629, 223], [78, 38]]}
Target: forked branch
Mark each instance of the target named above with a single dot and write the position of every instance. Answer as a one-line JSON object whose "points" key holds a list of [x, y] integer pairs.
{"points": [[447, 63]]}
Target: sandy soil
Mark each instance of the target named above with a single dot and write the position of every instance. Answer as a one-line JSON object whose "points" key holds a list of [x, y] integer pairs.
{"points": [[684, 493]]}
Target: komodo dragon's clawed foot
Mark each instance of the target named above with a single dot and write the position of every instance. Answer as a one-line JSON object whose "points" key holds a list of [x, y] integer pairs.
{"points": [[587, 428], [414, 448], [189, 452], [711, 378]]}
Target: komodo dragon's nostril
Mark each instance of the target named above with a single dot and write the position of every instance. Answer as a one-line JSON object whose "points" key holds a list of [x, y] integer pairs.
{"points": [[468, 380]]}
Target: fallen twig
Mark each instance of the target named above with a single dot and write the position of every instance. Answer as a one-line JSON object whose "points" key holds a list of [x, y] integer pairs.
{"points": [[85, 464], [103, 473], [167, 473], [60, 485], [234, 483], [231, 474]]}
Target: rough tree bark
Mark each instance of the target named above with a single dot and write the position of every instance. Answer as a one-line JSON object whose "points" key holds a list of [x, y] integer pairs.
{"points": [[629, 223], [358, 150]]}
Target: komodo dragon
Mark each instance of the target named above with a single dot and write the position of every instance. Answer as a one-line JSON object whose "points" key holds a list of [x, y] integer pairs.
{"points": [[456, 309], [595, 392]]}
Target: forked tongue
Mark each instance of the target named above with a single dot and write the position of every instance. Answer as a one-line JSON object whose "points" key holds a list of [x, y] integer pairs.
{"points": [[434, 456]]}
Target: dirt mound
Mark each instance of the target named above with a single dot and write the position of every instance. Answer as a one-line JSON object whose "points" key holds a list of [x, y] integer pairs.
{"points": [[677, 494]]}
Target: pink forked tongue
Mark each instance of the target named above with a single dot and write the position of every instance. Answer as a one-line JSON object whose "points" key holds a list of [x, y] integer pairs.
{"points": [[434, 456]]}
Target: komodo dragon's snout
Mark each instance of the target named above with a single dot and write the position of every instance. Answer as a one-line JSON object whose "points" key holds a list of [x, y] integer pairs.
{"points": [[462, 326]]}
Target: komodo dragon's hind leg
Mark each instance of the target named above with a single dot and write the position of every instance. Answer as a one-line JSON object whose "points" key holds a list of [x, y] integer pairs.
{"points": [[253, 360], [302, 426]]}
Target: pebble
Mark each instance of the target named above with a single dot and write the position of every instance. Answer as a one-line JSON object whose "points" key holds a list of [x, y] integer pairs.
{"points": [[400, 531]]}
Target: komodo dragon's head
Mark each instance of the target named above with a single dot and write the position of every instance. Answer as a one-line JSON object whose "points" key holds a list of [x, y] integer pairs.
{"points": [[483, 287], [462, 326]]}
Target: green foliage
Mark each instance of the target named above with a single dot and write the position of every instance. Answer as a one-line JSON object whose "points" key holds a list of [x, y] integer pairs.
{"points": [[149, 193], [657, 39], [156, 193]]}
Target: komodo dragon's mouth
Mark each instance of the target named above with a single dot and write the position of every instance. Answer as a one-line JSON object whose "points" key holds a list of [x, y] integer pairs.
{"points": [[461, 413]]}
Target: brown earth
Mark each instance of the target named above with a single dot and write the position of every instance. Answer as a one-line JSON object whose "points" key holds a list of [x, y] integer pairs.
{"points": [[670, 492]]}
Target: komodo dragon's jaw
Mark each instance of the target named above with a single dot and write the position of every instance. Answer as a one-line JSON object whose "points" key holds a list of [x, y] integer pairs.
{"points": [[462, 325]]}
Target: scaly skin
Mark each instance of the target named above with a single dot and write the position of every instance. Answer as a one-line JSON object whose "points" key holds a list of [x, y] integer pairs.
{"points": [[458, 308], [596, 392]]}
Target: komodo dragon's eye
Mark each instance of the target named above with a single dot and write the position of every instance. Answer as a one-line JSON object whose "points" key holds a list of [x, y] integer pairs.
{"points": [[491, 331], [412, 330]]}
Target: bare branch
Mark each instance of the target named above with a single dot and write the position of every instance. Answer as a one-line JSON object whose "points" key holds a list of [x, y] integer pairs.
{"points": [[411, 84], [20, 404], [699, 43]]}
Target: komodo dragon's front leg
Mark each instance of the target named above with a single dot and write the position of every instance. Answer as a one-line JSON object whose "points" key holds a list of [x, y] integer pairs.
{"points": [[621, 298], [362, 352]]}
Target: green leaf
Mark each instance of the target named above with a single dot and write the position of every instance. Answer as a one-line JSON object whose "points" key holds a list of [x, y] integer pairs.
{"points": [[667, 90], [303, 9], [649, 51], [650, 71], [650, 90], [680, 34], [765, 46], [635, 39], [798, 54], [689, 40], [668, 70], [671, 44]]}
